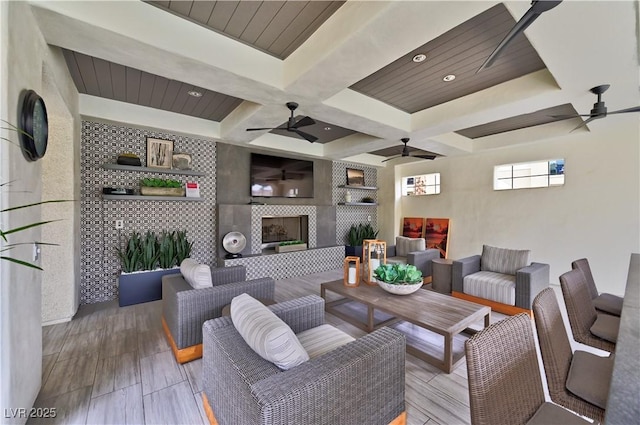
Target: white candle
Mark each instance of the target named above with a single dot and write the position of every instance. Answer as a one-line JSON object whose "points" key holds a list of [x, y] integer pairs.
{"points": [[352, 275], [374, 264]]}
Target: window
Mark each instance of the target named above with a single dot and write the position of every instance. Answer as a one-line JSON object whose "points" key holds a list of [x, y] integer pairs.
{"points": [[426, 184], [529, 174]]}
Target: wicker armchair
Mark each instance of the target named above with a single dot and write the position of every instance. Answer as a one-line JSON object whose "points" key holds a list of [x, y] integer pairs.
{"points": [[501, 278], [185, 309], [579, 381], [505, 386], [361, 382], [606, 303], [589, 327]]}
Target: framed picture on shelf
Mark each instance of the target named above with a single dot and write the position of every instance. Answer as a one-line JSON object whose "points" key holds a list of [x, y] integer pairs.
{"points": [[355, 177], [159, 153], [413, 227], [436, 234]]}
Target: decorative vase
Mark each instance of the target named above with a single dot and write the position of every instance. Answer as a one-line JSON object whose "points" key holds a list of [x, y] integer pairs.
{"points": [[347, 196]]}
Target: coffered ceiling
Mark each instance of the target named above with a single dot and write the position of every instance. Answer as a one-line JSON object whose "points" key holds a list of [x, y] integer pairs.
{"points": [[349, 66]]}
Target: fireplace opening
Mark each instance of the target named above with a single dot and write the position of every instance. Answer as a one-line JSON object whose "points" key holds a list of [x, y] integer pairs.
{"points": [[284, 228]]}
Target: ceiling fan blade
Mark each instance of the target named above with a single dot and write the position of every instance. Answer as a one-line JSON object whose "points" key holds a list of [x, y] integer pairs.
{"points": [[389, 159], [431, 157], [304, 122], [536, 9], [566, 117], [257, 129], [585, 123], [307, 136], [622, 111]]}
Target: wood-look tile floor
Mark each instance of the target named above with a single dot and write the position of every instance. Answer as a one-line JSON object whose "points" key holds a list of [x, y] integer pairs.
{"points": [[113, 365]]}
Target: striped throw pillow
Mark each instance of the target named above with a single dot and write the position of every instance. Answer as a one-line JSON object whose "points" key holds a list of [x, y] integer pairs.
{"points": [[263, 331], [501, 260], [197, 275]]}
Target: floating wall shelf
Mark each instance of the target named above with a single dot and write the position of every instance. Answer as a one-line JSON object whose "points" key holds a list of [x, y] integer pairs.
{"points": [[346, 186], [150, 198], [110, 166], [358, 203]]}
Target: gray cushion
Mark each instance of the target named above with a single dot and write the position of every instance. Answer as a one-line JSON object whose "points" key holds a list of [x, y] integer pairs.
{"points": [[396, 260], [608, 303], [501, 260], [322, 339], [549, 413], [590, 377], [606, 327], [197, 275], [492, 286], [263, 331], [406, 245]]}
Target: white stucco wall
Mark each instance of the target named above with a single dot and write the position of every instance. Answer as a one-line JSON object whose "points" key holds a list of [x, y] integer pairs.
{"points": [[596, 214], [24, 54]]}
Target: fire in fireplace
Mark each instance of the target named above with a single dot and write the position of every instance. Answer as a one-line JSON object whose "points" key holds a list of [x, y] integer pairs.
{"points": [[284, 228]]}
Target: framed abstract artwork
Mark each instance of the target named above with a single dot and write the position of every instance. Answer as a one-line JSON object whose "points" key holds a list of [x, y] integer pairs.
{"points": [[436, 234], [413, 227], [355, 177], [159, 153]]}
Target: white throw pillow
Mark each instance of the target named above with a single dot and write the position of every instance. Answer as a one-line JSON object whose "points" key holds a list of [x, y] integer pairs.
{"points": [[197, 275], [263, 331]]}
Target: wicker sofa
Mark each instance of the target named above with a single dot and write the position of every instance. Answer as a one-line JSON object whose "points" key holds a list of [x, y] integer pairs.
{"points": [[185, 309], [501, 278], [359, 382], [412, 251]]}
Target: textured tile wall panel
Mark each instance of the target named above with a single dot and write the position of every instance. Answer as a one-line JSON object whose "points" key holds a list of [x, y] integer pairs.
{"points": [[346, 215], [101, 143], [291, 264]]}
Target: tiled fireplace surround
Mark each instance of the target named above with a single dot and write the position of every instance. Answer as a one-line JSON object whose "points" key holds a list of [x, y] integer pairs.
{"points": [[206, 222]]}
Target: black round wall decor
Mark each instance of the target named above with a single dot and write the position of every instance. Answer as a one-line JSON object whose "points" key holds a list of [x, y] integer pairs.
{"points": [[35, 125]]}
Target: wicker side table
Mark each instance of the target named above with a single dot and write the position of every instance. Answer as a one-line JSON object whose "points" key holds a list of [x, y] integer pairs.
{"points": [[441, 271]]}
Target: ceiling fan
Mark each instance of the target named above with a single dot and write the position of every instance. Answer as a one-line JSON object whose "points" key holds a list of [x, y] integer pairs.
{"points": [[537, 8], [599, 110], [405, 152], [294, 126]]}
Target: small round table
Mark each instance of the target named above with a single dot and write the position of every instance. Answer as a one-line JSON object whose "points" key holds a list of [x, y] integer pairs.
{"points": [[226, 310], [441, 272]]}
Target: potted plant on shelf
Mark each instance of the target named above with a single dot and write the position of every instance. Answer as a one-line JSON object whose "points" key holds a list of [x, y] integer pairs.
{"points": [[358, 233], [161, 187], [145, 259], [399, 279], [289, 246]]}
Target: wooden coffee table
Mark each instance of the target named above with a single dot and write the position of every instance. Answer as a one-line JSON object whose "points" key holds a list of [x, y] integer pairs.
{"points": [[442, 314]]}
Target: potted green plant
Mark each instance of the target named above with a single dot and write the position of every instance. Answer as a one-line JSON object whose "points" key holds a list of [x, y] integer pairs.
{"points": [[400, 279], [358, 233], [288, 246], [161, 187], [145, 259]]}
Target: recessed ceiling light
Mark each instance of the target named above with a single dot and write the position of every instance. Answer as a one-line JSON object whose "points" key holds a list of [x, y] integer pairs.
{"points": [[448, 78], [194, 93], [327, 128], [420, 57]]}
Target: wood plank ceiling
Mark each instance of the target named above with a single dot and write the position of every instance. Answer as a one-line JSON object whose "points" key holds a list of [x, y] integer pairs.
{"points": [[412, 86], [97, 77], [280, 27], [274, 27]]}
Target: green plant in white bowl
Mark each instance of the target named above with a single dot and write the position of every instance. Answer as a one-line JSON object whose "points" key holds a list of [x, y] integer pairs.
{"points": [[400, 279]]}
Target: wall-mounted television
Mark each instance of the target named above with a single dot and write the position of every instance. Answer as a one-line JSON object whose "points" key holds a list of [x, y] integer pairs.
{"points": [[276, 176]]}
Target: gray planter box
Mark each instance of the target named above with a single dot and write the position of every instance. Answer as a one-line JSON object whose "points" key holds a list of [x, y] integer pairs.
{"points": [[142, 287]]}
